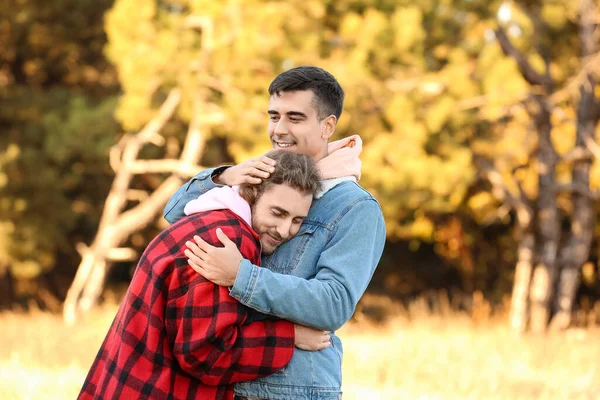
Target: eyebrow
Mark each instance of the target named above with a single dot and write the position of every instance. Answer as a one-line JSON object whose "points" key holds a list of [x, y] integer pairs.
{"points": [[289, 113]]}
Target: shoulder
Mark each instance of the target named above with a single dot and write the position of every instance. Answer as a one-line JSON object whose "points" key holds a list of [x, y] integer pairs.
{"points": [[171, 241], [204, 224], [346, 198], [237, 230], [348, 195], [350, 190]]}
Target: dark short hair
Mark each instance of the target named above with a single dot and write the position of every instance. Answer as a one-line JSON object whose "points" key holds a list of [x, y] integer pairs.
{"points": [[328, 95], [298, 171]]}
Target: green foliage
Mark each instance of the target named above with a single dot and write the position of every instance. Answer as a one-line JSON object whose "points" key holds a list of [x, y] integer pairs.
{"points": [[427, 88], [400, 99], [57, 98], [52, 168]]}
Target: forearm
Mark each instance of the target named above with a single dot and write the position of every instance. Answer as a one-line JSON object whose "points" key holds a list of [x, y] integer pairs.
{"points": [[198, 185], [259, 349], [342, 273], [213, 345], [331, 304]]}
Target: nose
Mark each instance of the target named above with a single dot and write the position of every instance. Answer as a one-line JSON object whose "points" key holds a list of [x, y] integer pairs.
{"points": [[283, 229], [281, 127]]}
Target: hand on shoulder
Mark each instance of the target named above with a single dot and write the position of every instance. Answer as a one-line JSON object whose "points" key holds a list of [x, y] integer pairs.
{"points": [[251, 171]]}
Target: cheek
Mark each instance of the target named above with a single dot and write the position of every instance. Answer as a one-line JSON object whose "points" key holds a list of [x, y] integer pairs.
{"points": [[311, 134], [302, 134], [264, 221]]}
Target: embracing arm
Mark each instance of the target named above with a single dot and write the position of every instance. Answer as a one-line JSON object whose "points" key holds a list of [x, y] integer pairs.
{"points": [[199, 184], [251, 171], [344, 270], [211, 343]]}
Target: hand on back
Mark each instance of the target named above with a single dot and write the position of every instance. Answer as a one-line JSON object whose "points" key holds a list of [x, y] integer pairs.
{"points": [[252, 171], [311, 339]]}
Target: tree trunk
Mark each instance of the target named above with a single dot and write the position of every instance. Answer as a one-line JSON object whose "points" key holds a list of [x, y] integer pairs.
{"points": [[577, 248], [7, 287], [548, 228], [114, 237], [547, 218], [519, 307], [520, 203], [117, 225]]}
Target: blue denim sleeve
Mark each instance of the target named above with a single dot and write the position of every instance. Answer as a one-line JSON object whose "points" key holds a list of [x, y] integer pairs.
{"points": [[199, 184], [344, 270]]}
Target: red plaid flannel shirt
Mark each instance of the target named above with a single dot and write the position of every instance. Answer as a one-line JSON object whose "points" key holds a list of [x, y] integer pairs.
{"points": [[179, 336]]}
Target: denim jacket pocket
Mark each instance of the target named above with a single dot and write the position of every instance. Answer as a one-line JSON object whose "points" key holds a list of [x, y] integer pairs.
{"points": [[286, 259]]}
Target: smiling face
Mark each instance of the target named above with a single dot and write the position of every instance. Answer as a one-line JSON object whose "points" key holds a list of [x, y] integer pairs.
{"points": [[294, 124], [277, 215]]}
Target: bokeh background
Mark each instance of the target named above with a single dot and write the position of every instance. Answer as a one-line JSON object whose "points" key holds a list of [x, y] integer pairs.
{"points": [[479, 121]]}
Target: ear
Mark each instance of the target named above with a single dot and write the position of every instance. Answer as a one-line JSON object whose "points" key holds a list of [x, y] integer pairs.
{"points": [[328, 126]]}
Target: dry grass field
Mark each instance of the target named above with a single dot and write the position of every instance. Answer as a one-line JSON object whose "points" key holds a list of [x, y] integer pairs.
{"points": [[432, 358]]}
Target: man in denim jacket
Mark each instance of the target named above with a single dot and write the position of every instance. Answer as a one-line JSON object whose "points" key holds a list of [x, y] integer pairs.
{"points": [[317, 277]]}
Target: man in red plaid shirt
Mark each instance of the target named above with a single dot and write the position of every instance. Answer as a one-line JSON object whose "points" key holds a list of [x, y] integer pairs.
{"points": [[178, 335]]}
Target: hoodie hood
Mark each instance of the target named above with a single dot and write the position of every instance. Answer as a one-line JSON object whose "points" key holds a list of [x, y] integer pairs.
{"points": [[221, 198], [342, 159], [341, 163]]}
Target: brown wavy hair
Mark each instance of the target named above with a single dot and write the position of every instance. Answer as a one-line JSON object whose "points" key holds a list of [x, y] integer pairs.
{"points": [[298, 171]]}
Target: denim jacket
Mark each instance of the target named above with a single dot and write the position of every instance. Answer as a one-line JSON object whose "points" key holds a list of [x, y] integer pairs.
{"points": [[315, 279]]}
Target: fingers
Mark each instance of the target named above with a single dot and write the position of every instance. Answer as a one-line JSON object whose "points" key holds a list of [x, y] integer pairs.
{"points": [[260, 173], [265, 164], [202, 246], [326, 340], [252, 171], [195, 248], [196, 267], [223, 238], [251, 180], [192, 257], [266, 160], [261, 167], [312, 339], [252, 175], [324, 343], [194, 254]]}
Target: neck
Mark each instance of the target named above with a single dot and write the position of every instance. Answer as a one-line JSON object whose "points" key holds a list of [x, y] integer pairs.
{"points": [[321, 155]]}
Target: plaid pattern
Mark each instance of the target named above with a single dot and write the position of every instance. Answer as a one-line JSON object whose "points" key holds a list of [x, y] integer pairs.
{"points": [[179, 336]]}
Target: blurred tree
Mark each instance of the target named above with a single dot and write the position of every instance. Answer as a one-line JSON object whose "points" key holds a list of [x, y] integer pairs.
{"points": [[468, 151], [552, 45], [410, 77], [576, 249], [118, 221], [404, 75], [56, 105], [414, 92]]}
